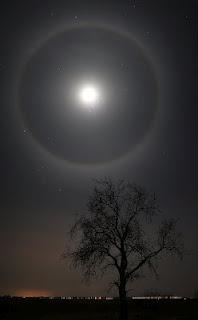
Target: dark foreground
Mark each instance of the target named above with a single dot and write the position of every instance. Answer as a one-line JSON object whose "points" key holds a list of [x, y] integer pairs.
{"points": [[23, 309]]}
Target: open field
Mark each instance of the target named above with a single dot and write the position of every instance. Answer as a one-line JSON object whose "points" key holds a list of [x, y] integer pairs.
{"points": [[35, 309]]}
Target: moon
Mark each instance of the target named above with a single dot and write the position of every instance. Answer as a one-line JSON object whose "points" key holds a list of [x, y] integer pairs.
{"points": [[85, 113], [89, 96]]}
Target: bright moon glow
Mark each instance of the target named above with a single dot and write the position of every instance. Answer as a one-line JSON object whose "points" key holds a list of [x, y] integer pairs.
{"points": [[89, 96]]}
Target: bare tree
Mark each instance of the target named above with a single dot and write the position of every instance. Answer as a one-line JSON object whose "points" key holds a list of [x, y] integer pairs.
{"points": [[113, 235]]}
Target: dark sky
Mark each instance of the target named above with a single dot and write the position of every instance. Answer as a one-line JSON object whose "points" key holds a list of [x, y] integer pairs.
{"points": [[142, 57]]}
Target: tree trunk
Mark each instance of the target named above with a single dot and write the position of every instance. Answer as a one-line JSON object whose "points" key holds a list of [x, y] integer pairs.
{"points": [[123, 303]]}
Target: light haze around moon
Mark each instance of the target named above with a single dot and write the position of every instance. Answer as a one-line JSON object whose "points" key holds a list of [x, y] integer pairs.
{"points": [[60, 81]]}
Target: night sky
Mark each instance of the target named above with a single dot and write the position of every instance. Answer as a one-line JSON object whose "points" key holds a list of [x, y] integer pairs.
{"points": [[139, 59]]}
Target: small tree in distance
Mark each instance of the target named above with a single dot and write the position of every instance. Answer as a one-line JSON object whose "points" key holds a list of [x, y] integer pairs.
{"points": [[112, 235]]}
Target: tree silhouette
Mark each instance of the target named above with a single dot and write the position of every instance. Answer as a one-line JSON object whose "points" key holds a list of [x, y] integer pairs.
{"points": [[113, 235]]}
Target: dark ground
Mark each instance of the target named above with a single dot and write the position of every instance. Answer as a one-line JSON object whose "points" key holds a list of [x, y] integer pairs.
{"points": [[14, 309]]}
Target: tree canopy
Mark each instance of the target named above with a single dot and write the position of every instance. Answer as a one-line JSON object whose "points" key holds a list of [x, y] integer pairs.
{"points": [[113, 234]]}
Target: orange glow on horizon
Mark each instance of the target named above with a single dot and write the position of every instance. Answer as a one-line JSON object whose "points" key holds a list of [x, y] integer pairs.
{"points": [[32, 293]]}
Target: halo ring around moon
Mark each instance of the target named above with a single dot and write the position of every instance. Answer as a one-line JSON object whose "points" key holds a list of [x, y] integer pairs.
{"points": [[126, 36]]}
